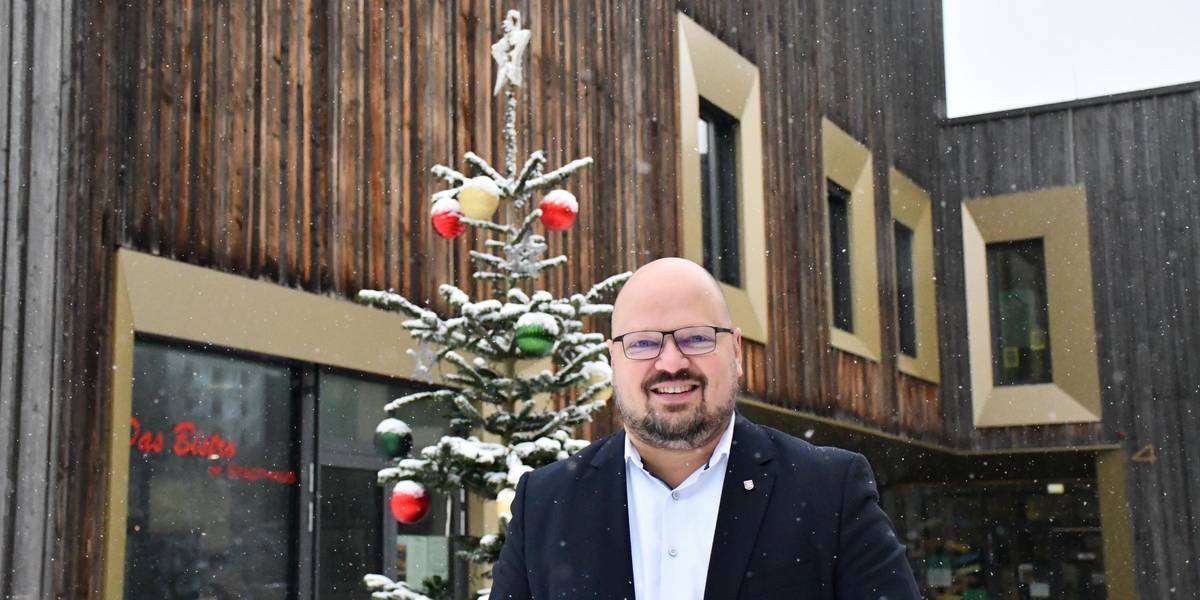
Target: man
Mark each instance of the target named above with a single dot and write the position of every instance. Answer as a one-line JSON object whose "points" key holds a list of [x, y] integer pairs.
{"points": [[691, 501]]}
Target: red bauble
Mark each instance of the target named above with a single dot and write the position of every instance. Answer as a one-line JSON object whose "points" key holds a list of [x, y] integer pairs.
{"points": [[447, 218], [409, 502], [559, 208]]}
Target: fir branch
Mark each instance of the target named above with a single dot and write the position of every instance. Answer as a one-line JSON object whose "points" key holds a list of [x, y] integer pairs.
{"points": [[451, 176], [527, 226], [607, 286], [489, 225], [558, 175], [532, 167], [489, 259], [479, 163]]}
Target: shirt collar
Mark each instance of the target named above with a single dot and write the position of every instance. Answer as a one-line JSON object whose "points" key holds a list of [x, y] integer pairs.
{"points": [[719, 452]]}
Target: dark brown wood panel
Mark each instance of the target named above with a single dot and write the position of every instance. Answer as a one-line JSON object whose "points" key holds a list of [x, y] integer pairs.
{"points": [[1137, 161]]}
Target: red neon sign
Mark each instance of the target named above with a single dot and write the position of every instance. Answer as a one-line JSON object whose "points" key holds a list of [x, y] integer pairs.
{"points": [[189, 442]]}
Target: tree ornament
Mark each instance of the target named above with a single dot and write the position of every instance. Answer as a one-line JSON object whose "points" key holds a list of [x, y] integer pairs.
{"points": [[424, 359], [559, 209], [536, 333], [409, 502], [479, 197], [508, 51], [597, 373], [393, 438], [447, 218]]}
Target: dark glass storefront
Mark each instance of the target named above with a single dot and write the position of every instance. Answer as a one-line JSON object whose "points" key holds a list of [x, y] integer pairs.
{"points": [[255, 478], [1009, 540]]}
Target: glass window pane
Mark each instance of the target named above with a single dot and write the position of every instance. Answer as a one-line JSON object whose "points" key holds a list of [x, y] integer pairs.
{"points": [[213, 477], [719, 194], [839, 255], [1019, 312], [351, 406], [351, 531], [906, 310]]}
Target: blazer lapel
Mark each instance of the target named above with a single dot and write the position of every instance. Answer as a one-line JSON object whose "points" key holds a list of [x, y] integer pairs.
{"points": [[744, 498], [604, 515]]}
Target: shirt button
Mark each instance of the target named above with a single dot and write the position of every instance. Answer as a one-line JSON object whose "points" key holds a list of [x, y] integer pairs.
{"points": [[674, 495], [672, 552]]}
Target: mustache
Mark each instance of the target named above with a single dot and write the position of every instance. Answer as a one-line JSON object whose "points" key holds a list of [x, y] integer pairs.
{"points": [[663, 376]]}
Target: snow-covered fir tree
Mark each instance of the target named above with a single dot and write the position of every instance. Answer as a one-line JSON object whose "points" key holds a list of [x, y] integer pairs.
{"points": [[505, 420]]}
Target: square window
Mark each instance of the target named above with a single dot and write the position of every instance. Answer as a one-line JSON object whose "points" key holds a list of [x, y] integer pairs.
{"points": [[1019, 312]]}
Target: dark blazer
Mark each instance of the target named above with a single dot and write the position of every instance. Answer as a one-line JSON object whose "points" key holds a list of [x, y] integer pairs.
{"points": [[810, 528]]}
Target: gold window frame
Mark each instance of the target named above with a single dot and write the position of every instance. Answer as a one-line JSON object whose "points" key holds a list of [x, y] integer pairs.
{"points": [[730, 82], [849, 164], [911, 206], [1059, 217]]}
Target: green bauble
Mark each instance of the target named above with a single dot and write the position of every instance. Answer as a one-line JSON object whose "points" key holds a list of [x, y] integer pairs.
{"points": [[534, 340], [393, 438]]}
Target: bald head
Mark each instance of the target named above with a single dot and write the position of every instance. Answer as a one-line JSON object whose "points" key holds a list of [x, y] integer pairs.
{"points": [[669, 293]]}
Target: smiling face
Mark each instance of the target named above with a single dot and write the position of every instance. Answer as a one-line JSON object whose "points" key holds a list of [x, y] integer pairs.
{"points": [[674, 401]]}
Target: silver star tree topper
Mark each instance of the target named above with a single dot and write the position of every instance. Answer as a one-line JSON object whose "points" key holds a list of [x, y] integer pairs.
{"points": [[509, 51]]}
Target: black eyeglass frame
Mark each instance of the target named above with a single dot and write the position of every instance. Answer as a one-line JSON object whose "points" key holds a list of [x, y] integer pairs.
{"points": [[716, 330]]}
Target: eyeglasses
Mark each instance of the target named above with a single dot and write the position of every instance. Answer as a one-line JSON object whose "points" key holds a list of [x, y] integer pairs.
{"points": [[692, 341]]}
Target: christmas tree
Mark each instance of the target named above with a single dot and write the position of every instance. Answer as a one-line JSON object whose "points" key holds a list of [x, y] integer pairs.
{"points": [[505, 421]]}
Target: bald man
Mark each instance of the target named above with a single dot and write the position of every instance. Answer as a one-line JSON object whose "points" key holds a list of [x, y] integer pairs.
{"points": [[692, 501]]}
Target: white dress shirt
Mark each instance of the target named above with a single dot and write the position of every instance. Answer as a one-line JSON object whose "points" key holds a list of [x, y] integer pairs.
{"points": [[671, 531]]}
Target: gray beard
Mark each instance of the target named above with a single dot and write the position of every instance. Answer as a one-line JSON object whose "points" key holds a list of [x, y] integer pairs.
{"points": [[688, 434]]}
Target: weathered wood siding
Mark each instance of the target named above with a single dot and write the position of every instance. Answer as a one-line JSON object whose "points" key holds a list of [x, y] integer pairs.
{"points": [[1139, 161]]}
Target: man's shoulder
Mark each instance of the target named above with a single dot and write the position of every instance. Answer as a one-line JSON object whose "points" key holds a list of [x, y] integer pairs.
{"points": [[803, 457], [572, 467]]}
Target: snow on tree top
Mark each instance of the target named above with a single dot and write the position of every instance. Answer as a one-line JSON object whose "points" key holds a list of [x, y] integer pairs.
{"points": [[409, 488], [391, 425], [596, 369], [539, 319], [453, 294], [542, 296], [474, 310]]}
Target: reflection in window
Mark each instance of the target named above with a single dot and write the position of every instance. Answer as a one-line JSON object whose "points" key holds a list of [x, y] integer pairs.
{"points": [[718, 193], [350, 540], [213, 477], [1019, 312], [839, 255], [906, 310]]}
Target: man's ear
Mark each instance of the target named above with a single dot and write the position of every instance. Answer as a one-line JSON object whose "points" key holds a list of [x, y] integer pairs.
{"points": [[737, 348]]}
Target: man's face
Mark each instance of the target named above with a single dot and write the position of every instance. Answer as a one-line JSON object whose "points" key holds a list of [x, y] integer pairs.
{"points": [[674, 401]]}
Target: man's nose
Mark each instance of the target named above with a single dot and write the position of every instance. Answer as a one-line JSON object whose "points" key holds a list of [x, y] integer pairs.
{"points": [[671, 359]]}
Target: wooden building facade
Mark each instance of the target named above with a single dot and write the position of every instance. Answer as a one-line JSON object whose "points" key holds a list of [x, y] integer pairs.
{"points": [[289, 142]]}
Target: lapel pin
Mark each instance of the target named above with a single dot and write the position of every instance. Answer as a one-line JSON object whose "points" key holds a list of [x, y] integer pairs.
{"points": [[749, 484]]}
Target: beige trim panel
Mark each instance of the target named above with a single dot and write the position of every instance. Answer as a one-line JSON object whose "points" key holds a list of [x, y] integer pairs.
{"points": [[848, 163], [911, 206], [732, 83], [1059, 217], [164, 297]]}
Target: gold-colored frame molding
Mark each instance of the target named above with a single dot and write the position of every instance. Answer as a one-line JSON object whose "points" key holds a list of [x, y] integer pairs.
{"points": [[1059, 217], [911, 206], [164, 297], [848, 163], [732, 83]]}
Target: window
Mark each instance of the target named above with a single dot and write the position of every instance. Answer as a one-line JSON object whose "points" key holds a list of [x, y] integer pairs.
{"points": [[851, 264], [242, 467], [1030, 318], [217, 480], [722, 214], [717, 146], [839, 256], [214, 473], [917, 352], [906, 310], [1020, 316]]}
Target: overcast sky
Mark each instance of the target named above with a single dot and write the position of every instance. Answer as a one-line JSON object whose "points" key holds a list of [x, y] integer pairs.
{"points": [[1003, 54]]}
